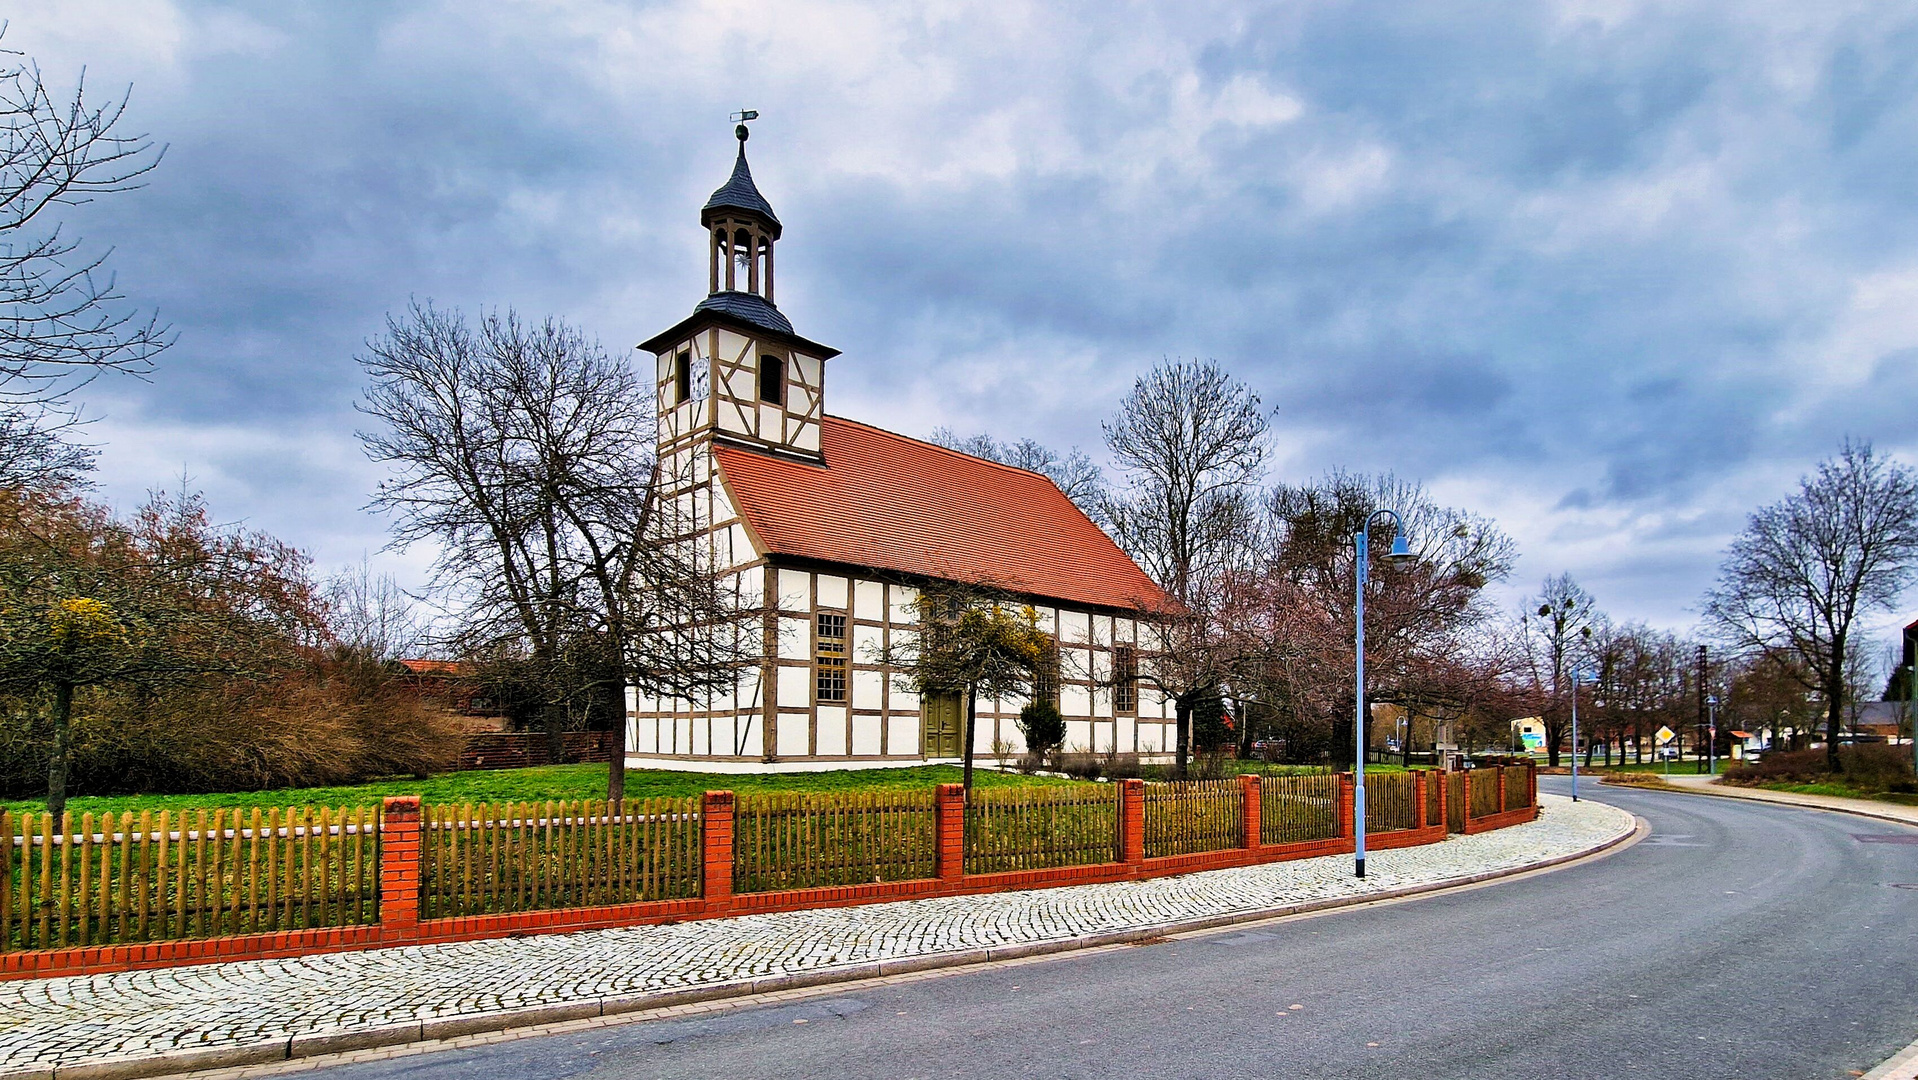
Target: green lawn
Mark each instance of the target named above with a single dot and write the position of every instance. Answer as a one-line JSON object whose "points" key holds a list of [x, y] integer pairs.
{"points": [[550, 782]]}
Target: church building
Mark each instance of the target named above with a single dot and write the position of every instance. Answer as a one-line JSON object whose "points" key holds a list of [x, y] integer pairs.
{"points": [[831, 526]]}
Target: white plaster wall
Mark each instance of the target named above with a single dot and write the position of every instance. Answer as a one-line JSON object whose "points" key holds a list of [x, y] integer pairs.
{"points": [[832, 731], [832, 591], [795, 638], [867, 689], [791, 738], [902, 734], [795, 687], [865, 735], [868, 645], [1078, 735], [869, 600], [795, 590]]}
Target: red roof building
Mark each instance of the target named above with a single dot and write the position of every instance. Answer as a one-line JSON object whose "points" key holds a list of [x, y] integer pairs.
{"points": [[830, 527]]}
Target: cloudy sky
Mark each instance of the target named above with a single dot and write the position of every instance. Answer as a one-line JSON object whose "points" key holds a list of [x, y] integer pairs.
{"points": [[1611, 272]]}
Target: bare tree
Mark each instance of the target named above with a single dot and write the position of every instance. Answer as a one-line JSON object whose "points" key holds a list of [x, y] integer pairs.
{"points": [[1557, 626], [1806, 568], [1190, 440], [526, 453], [61, 320], [1421, 617], [370, 615]]}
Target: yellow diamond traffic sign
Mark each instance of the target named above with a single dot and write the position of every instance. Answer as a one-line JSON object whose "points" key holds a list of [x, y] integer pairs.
{"points": [[1666, 734]]}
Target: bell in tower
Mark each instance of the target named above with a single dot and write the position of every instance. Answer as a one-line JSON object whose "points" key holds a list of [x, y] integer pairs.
{"points": [[734, 370]]}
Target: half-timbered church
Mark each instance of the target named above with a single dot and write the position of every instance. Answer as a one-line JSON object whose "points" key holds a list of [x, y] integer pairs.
{"points": [[832, 525]]}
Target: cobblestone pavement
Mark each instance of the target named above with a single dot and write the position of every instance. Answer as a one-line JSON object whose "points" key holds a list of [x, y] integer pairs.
{"points": [[103, 1018]]}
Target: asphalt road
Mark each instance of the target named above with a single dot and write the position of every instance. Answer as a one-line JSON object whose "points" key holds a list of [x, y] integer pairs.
{"points": [[1738, 941]]}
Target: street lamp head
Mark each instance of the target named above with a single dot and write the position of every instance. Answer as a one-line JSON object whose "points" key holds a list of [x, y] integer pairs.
{"points": [[1401, 551]]}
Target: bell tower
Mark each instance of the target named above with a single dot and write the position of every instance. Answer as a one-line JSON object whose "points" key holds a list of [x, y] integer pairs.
{"points": [[734, 371]]}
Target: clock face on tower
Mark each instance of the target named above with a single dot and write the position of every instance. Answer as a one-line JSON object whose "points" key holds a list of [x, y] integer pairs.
{"points": [[702, 379]]}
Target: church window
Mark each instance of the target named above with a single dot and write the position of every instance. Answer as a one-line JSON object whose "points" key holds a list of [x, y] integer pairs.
{"points": [[772, 380], [830, 656], [682, 377], [1045, 676], [1125, 679]]}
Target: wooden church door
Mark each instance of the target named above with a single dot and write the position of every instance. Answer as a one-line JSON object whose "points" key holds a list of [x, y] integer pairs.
{"points": [[944, 716]]}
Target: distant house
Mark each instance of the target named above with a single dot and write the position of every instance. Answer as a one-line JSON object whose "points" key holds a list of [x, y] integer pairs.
{"points": [[1874, 720], [1529, 732], [450, 683]]}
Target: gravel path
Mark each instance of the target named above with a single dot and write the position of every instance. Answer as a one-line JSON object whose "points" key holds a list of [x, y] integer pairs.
{"points": [[265, 1003]]}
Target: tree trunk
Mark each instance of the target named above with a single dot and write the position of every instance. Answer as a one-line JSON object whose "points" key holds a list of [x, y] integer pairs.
{"points": [[1834, 719], [555, 719], [57, 763], [616, 768], [971, 704], [1183, 710]]}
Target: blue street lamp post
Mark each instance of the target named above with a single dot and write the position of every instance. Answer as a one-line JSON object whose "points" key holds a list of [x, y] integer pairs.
{"points": [[1401, 552], [1577, 677]]}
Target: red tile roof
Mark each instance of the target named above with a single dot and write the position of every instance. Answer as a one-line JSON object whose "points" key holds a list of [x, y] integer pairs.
{"points": [[888, 502]]}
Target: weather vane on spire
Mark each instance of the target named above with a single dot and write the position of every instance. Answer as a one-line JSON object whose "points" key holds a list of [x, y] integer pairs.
{"points": [[740, 118]]}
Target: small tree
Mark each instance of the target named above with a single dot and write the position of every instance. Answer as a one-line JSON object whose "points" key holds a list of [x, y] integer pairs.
{"points": [[157, 601], [973, 639], [1043, 727]]}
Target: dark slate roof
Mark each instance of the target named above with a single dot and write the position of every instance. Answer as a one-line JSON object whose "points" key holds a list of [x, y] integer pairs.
{"points": [[748, 306], [739, 193]]}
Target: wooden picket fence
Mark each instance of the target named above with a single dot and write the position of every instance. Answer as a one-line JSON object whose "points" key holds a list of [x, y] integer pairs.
{"points": [[847, 838], [1192, 816], [119, 878], [1297, 809], [1434, 793], [1518, 787], [1040, 828], [1389, 804], [1455, 802], [1484, 792], [489, 858]]}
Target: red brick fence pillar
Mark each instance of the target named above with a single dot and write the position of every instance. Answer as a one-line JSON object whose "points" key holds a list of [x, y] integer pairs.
{"points": [[400, 867], [1249, 816], [949, 826], [1345, 805], [1418, 801], [1132, 822], [716, 862]]}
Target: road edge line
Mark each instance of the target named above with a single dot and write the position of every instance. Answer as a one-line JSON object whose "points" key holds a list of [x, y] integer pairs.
{"points": [[1747, 797], [299, 1053]]}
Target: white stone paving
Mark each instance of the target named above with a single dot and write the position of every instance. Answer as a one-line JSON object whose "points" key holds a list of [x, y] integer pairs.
{"points": [[99, 1018]]}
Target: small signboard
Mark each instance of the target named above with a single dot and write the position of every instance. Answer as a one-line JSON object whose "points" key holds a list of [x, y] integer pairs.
{"points": [[1666, 734]]}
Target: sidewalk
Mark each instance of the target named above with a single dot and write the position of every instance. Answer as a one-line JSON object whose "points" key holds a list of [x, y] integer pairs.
{"points": [[1883, 811], [246, 1012]]}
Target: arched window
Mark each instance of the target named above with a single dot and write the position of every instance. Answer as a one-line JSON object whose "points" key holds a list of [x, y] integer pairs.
{"points": [[772, 380]]}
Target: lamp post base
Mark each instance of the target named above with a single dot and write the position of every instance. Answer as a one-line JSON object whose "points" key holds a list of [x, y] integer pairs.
{"points": [[1360, 864]]}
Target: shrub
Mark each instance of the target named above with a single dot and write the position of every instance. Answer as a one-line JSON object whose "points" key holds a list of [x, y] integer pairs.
{"points": [[1866, 767], [1042, 726]]}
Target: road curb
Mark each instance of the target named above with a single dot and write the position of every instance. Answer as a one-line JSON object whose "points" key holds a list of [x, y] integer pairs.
{"points": [[420, 1036], [1743, 796]]}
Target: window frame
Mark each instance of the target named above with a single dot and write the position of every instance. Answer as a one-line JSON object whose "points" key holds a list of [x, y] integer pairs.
{"points": [[778, 363], [1125, 680], [832, 667]]}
